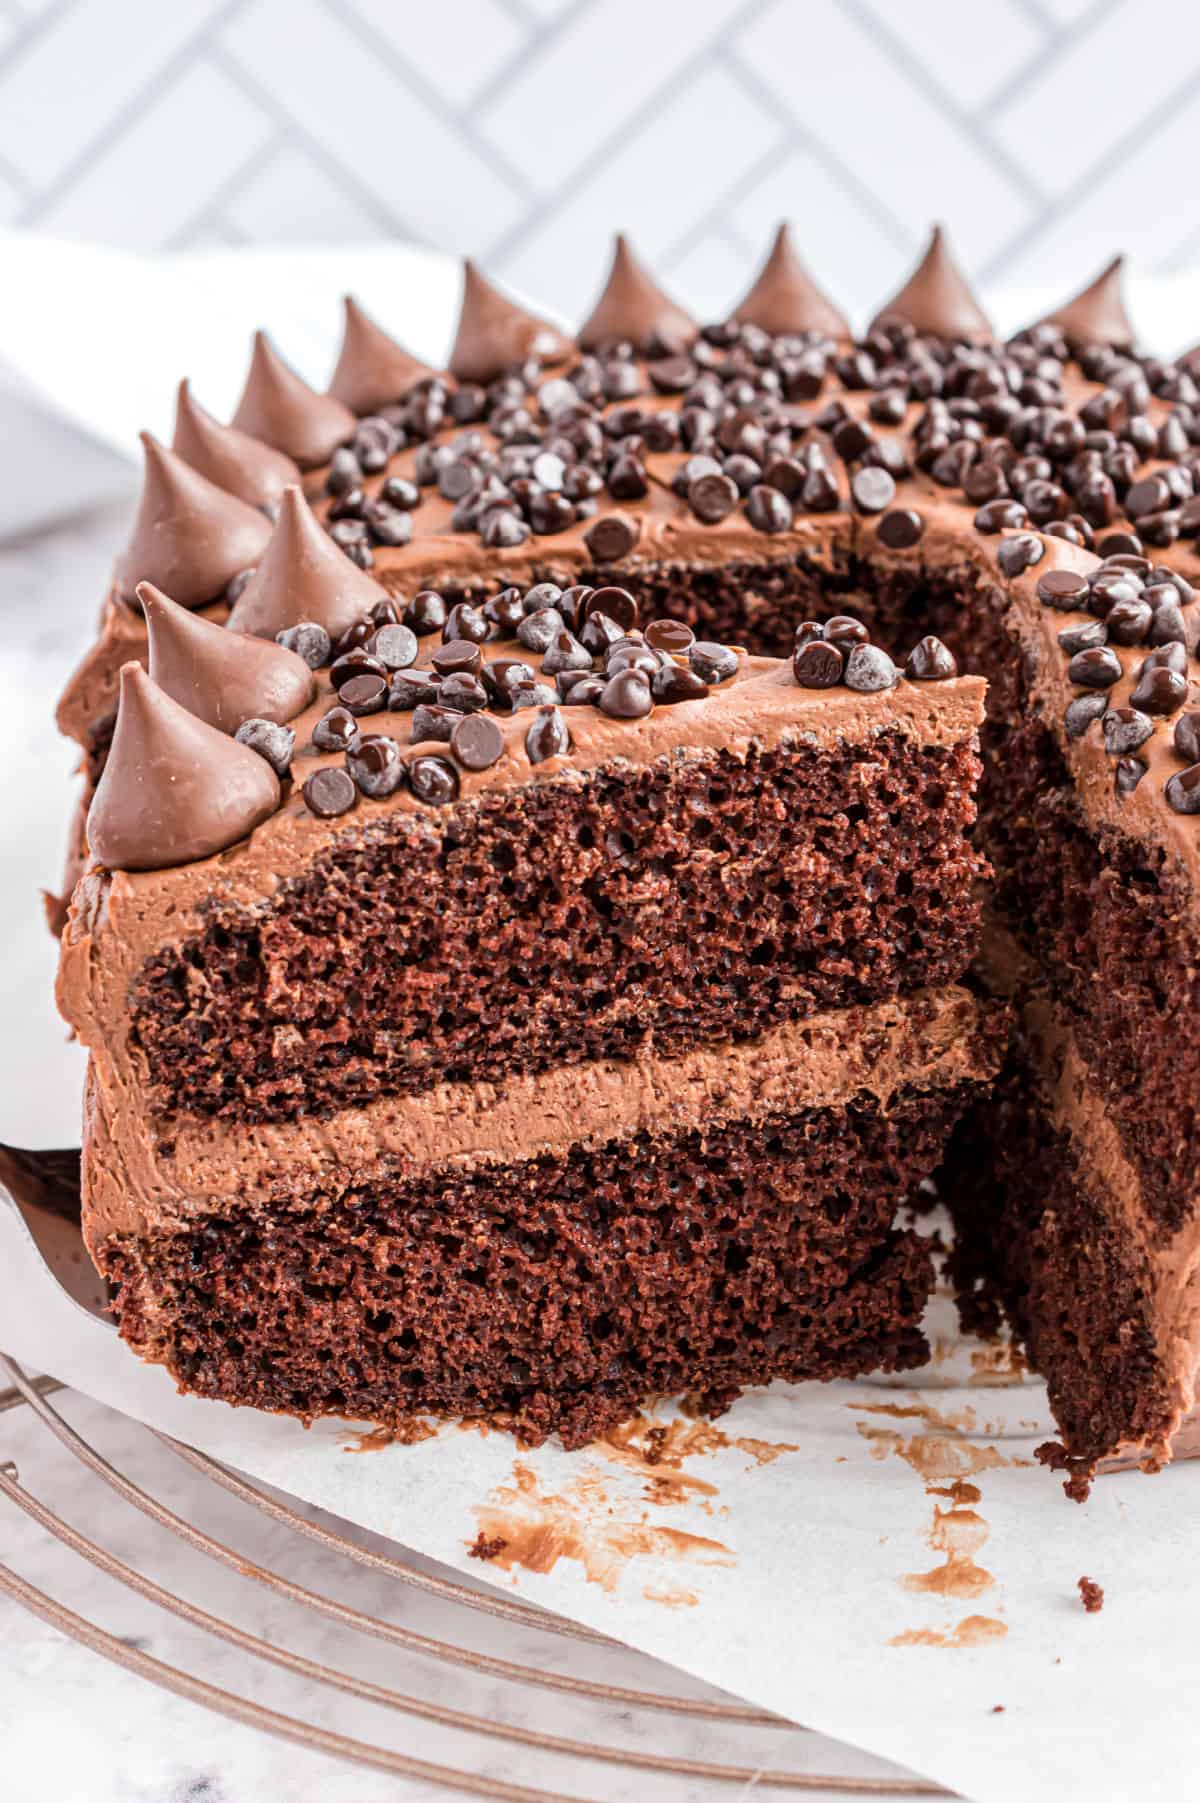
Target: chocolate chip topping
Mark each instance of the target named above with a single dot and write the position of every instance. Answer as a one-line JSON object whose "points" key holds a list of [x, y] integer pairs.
{"points": [[329, 792], [477, 742], [376, 765], [433, 780]]}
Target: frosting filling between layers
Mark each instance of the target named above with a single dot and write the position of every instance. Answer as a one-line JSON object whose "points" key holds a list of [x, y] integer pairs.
{"points": [[135, 1184]]}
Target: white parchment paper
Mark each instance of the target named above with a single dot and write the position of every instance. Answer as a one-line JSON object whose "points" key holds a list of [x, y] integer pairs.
{"points": [[882, 1561]]}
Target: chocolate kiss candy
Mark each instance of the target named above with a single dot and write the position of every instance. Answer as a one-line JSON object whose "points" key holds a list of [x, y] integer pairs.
{"points": [[281, 409], [1096, 315], [189, 537], [221, 676], [936, 299], [494, 333], [633, 307], [242, 465], [784, 298], [174, 788], [372, 369], [303, 576]]}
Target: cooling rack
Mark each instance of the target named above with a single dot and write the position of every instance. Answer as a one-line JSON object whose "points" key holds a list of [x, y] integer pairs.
{"points": [[60, 1455]]}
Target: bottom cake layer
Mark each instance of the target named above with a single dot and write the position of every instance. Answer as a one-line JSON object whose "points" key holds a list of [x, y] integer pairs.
{"points": [[560, 1291]]}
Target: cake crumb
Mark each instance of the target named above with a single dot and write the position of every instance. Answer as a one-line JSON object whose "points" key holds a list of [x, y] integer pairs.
{"points": [[1091, 1595], [997, 1708], [485, 1548]]}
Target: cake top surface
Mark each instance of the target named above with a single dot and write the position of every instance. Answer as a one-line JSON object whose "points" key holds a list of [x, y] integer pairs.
{"points": [[1061, 465]]}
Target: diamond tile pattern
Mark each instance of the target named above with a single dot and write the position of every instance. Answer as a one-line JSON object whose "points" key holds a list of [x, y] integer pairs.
{"points": [[1044, 132]]}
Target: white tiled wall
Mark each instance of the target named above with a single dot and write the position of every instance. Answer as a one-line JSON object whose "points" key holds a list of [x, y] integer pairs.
{"points": [[1046, 133]]}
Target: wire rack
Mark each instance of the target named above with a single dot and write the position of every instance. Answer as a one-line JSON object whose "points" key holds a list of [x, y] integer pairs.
{"points": [[44, 1403]]}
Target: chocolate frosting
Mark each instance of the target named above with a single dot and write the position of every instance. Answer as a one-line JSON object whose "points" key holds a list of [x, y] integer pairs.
{"points": [[372, 369], [1096, 315], [221, 676], [494, 332], [936, 299], [303, 576], [784, 298], [633, 307], [189, 537], [174, 789], [244, 466], [279, 407]]}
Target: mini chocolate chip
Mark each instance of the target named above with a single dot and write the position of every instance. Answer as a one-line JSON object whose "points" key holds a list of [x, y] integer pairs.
{"points": [[900, 528], [566, 653], [1066, 590], [673, 636], [426, 612], [806, 632], [1187, 736], [1125, 728], [671, 683], [466, 622], [354, 638], [500, 530], [1171, 656], [395, 647], [457, 655], [336, 730], [627, 480], [584, 691], [366, 694], [398, 491], [816, 665], [930, 661], [547, 736], [329, 793], [387, 612], [1183, 790], [611, 537], [410, 687], [309, 641], [846, 631], [872, 489], [358, 662], [869, 669], [713, 663], [626, 696], [995, 516], [1082, 711], [1128, 622], [599, 633], [376, 765], [767, 510], [537, 632], [1159, 690], [712, 497], [1083, 638], [820, 493], [1019, 553], [1096, 668], [1168, 626], [504, 674], [464, 691], [542, 595], [477, 742], [532, 694], [389, 526], [433, 779], [1127, 775], [505, 611], [430, 721], [627, 654], [617, 603], [273, 742], [784, 473]]}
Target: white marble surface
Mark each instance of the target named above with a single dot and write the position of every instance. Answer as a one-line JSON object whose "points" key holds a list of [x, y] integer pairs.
{"points": [[77, 1729]]}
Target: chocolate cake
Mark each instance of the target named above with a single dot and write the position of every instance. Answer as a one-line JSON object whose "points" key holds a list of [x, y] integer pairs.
{"points": [[528, 944]]}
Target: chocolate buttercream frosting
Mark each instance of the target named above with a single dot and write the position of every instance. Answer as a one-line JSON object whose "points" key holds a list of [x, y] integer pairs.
{"points": [[242, 465], [1096, 315], [783, 297], [279, 407], [633, 307], [221, 676], [494, 333], [372, 369], [936, 299], [174, 789], [189, 537], [303, 576]]}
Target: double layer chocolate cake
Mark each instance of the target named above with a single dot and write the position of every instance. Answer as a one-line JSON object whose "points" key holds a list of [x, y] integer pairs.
{"points": [[540, 815]]}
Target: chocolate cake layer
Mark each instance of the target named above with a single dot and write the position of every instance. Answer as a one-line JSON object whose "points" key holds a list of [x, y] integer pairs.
{"points": [[696, 1224]]}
